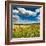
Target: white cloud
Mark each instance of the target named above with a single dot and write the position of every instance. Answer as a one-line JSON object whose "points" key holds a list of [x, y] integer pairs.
{"points": [[15, 11], [21, 9], [37, 10], [28, 12], [16, 18]]}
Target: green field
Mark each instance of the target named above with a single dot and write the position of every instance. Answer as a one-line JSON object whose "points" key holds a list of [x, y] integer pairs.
{"points": [[26, 31]]}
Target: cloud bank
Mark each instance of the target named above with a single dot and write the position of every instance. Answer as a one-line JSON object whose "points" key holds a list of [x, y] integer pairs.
{"points": [[26, 12]]}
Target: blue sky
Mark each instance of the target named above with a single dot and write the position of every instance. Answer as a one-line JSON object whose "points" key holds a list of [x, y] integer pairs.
{"points": [[24, 14]]}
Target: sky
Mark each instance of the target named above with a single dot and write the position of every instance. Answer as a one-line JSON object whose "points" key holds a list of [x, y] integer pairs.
{"points": [[25, 14]]}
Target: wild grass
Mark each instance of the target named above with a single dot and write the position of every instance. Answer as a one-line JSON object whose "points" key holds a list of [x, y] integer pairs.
{"points": [[26, 31]]}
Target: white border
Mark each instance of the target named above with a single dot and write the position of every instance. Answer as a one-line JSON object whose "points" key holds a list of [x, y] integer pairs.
{"points": [[41, 27]]}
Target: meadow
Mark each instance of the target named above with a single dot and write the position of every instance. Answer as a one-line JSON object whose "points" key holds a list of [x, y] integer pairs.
{"points": [[26, 30]]}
